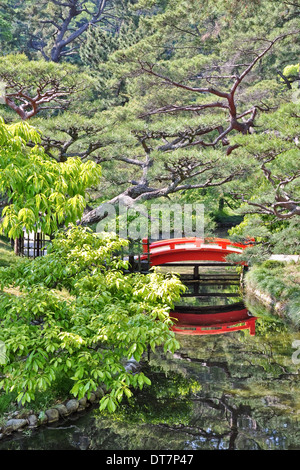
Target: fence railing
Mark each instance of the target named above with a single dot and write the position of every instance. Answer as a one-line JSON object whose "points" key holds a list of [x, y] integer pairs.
{"points": [[33, 244]]}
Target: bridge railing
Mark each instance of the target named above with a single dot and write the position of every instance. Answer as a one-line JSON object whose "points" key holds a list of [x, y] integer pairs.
{"points": [[191, 243]]}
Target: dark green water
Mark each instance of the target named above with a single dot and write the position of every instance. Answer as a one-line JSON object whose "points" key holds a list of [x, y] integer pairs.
{"points": [[230, 391]]}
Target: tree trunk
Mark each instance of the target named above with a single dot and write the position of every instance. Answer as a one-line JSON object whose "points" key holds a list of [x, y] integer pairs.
{"points": [[18, 245]]}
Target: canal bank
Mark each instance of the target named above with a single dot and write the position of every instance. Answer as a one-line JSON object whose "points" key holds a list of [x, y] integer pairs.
{"points": [[276, 285]]}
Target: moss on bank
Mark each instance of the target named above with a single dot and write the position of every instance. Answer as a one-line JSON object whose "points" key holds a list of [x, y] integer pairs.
{"points": [[277, 284]]}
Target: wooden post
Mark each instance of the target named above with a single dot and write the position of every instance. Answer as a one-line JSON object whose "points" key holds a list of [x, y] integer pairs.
{"points": [[196, 278], [19, 246], [16, 246], [131, 256]]}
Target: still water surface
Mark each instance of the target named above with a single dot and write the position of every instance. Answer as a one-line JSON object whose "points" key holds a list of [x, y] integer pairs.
{"points": [[229, 391]]}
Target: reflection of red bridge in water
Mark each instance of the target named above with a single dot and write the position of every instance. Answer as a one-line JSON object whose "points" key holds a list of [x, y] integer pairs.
{"points": [[198, 252], [205, 321]]}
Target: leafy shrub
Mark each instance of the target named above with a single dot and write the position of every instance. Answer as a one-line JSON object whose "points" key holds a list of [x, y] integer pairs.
{"points": [[79, 316]]}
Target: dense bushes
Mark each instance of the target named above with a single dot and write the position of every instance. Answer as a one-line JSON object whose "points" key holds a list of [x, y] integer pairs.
{"points": [[281, 281], [80, 317]]}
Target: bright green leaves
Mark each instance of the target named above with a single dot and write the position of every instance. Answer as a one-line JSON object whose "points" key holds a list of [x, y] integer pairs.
{"points": [[290, 74], [13, 136], [136, 350], [108, 403], [111, 401], [43, 193], [156, 288], [75, 318]]}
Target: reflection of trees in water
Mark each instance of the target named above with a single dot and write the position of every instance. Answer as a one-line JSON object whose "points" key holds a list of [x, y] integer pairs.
{"points": [[249, 396], [232, 391], [223, 418], [215, 298]]}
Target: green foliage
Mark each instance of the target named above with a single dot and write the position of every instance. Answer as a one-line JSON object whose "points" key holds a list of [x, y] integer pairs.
{"points": [[157, 405], [280, 280], [13, 30], [31, 71], [145, 154], [291, 70], [6, 401], [41, 86], [291, 73], [7, 256], [78, 315], [54, 30], [95, 53], [78, 318], [269, 189], [43, 194]]}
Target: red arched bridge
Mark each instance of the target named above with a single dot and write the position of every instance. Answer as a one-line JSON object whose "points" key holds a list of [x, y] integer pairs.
{"points": [[177, 250], [203, 320]]}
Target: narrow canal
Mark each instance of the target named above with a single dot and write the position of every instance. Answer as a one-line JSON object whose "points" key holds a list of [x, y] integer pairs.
{"points": [[234, 390]]}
